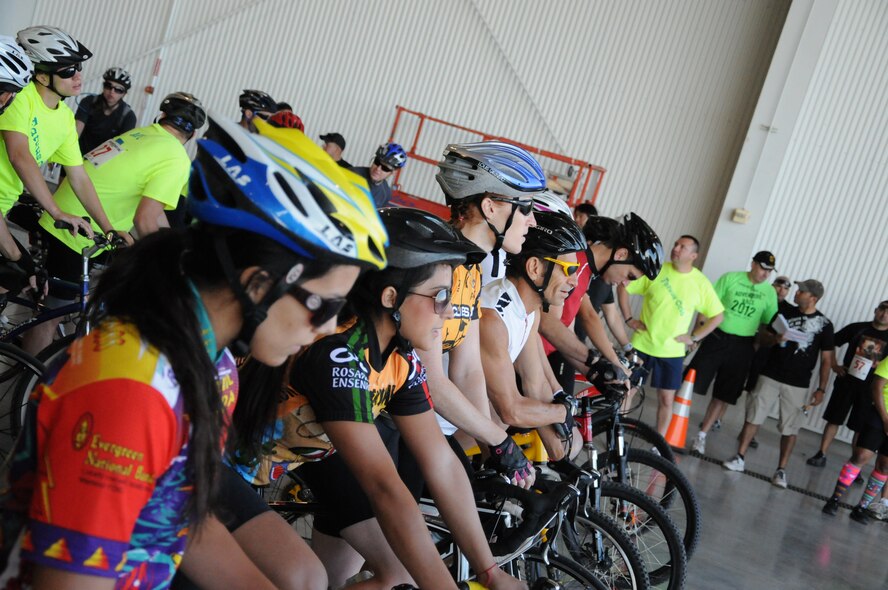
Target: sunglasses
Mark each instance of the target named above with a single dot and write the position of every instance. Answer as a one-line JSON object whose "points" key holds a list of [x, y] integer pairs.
{"points": [[322, 310], [524, 207], [385, 169], [113, 88], [68, 72], [441, 300], [569, 268]]}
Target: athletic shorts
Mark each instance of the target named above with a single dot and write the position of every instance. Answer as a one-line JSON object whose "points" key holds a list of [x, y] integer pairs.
{"points": [[726, 359], [665, 373], [564, 371], [791, 399], [873, 438], [64, 263], [843, 397]]}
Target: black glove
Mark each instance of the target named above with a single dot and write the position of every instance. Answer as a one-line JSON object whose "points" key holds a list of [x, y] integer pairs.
{"points": [[601, 372], [565, 429], [507, 458]]}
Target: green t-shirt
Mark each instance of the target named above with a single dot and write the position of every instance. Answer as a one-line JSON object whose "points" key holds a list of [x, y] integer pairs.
{"points": [[143, 162], [746, 305], [670, 302], [882, 371], [51, 133]]}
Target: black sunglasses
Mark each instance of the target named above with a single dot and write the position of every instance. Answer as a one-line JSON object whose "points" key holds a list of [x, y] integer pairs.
{"points": [[441, 300], [68, 72], [322, 310], [113, 88], [383, 166], [524, 207]]}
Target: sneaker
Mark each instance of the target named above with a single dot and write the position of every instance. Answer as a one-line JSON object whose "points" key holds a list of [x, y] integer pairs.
{"points": [[699, 445], [779, 478], [717, 425], [818, 460], [735, 464], [877, 511], [831, 507], [858, 514], [753, 444]]}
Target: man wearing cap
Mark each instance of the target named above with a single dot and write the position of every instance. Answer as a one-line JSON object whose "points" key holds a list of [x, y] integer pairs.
{"points": [[334, 144], [726, 354], [867, 346], [786, 377], [661, 335]]}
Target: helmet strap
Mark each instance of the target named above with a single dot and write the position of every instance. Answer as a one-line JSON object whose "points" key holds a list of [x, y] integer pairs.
{"points": [[540, 289], [51, 84], [500, 236]]}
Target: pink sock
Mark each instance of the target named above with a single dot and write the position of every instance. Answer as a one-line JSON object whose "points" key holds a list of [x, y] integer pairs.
{"points": [[846, 478]]}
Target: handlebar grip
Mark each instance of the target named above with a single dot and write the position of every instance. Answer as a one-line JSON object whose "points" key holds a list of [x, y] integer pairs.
{"points": [[61, 224]]}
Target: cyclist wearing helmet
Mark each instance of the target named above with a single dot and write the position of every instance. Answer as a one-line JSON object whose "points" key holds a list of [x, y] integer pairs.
{"points": [[387, 159], [123, 440], [38, 128], [137, 176], [489, 187], [541, 275], [287, 119], [253, 104], [103, 116], [333, 396], [15, 71]]}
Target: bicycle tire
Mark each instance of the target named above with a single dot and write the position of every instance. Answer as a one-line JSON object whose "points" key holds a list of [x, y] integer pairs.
{"points": [[530, 567], [636, 434], [664, 481], [17, 369], [622, 567], [653, 532]]}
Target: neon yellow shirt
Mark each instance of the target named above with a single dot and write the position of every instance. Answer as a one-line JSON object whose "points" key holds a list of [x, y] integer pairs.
{"points": [[670, 302], [143, 162], [51, 133], [882, 371]]}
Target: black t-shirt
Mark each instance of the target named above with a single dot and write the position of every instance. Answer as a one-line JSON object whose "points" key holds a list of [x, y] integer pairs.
{"points": [[99, 127], [382, 192], [792, 363], [600, 293], [865, 342]]}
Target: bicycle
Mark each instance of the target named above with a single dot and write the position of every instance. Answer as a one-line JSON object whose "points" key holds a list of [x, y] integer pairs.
{"points": [[19, 373]]}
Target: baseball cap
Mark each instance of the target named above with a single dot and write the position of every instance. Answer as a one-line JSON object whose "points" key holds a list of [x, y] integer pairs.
{"points": [[765, 259], [812, 286], [334, 138], [783, 281]]}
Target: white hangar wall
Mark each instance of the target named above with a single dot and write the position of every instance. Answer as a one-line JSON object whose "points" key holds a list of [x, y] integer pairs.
{"points": [[659, 93]]}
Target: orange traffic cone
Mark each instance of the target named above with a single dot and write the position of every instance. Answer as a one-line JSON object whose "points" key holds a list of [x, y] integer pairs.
{"points": [[681, 411]]}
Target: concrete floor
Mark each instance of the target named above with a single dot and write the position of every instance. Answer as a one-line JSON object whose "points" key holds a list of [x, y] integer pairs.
{"points": [[756, 536]]}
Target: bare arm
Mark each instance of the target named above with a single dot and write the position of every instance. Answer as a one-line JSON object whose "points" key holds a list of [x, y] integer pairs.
{"points": [[47, 578], [452, 492], [623, 298], [26, 168], [80, 126], [149, 217], [512, 407], [365, 455], [595, 329], [615, 322], [701, 331], [826, 362], [86, 194]]}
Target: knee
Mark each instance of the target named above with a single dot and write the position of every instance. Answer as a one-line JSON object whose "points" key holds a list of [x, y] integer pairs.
{"points": [[305, 576]]}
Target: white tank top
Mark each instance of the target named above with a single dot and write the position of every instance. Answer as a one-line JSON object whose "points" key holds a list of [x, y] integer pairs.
{"points": [[501, 296]]}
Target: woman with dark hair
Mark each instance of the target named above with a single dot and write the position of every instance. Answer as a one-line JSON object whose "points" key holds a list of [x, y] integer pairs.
{"points": [[334, 394], [120, 462]]}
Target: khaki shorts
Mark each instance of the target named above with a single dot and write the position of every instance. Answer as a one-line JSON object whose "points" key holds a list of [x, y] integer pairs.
{"points": [[761, 400]]}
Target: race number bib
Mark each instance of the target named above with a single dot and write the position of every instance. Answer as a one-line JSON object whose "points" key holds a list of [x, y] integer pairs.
{"points": [[103, 153], [860, 367]]}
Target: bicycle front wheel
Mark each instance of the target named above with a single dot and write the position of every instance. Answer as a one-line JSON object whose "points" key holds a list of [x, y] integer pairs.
{"points": [[561, 572], [19, 373]]}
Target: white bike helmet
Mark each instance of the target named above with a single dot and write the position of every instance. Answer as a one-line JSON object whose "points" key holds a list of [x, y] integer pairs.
{"points": [[549, 202], [497, 167], [51, 48], [15, 66]]}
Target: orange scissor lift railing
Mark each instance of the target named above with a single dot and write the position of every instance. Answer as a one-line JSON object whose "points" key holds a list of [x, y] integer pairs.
{"points": [[424, 138]]}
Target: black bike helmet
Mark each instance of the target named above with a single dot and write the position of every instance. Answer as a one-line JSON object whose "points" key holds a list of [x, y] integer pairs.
{"points": [[183, 111], [256, 100], [644, 245], [418, 238], [554, 234]]}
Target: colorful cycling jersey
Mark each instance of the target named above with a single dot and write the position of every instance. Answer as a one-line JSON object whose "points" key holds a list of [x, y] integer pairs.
{"points": [[502, 297], [102, 476], [145, 162], [343, 377], [464, 296], [51, 133], [571, 306]]}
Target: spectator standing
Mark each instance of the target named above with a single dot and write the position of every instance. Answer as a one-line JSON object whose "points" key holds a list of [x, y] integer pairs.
{"points": [[388, 158], [725, 356], [867, 346], [334, 145], [661, 331], [103, 116], [786, 378]]}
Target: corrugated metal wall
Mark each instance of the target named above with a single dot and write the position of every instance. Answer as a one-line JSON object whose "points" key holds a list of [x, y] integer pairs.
{"points": [[827, 216], [659, 93]]}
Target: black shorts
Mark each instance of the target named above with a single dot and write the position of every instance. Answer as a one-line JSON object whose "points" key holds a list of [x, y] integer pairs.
{"points": [[844, 395], [726, 359], [873, 438], [64, 263], [238, 501], [564, 371]]}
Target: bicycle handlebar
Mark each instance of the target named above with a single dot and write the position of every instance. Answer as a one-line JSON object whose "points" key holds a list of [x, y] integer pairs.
{"points": [[100, 241]]}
